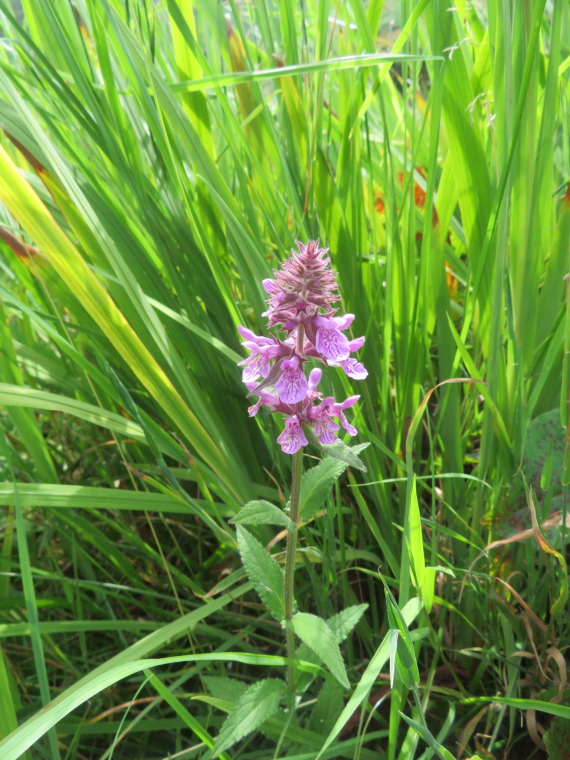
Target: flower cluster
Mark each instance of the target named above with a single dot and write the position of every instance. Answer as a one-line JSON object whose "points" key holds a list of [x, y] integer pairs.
{"points": [[300, 304]]}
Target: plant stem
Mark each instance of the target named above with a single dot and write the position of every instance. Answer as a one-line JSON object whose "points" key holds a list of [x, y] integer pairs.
{"points": [[290, 563]]}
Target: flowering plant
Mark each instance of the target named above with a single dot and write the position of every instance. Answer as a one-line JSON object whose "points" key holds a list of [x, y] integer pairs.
{"points": [[300, 304]]}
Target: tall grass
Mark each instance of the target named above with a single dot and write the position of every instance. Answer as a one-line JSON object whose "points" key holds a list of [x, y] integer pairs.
{"points": [[157, 160]]}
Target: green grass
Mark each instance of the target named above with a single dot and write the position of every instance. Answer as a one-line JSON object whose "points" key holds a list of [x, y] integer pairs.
{"points": [[159, 160]]}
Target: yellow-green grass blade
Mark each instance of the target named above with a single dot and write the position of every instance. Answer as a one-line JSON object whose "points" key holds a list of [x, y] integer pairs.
{"points": [[34, 495], [28, 209], [24, 420], [31, 605]]}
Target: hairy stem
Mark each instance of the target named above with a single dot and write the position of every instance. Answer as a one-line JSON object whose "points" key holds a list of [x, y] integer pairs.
{"points": [[290, 563]]}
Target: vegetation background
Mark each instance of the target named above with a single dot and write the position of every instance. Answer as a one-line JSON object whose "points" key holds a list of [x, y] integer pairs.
{"points": [[157, 160]]}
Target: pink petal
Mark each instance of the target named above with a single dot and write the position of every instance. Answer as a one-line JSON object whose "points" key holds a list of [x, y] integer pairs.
{"points": [[256, 366], [356, 343], [293, 437], [343, 322], [332, 344], [292, 386], [350, 429], [354, 369], [314, 379]]}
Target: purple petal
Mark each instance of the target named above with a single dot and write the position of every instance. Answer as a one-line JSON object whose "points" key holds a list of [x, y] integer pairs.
{"points": [[332, 344], [356, 343], [350, 429], [258, 364], [346, 404], [269, 286], [354, 369], [246, 333], [293, 437], [314, 379], [326, 322], [325, 428], [342, 323], [292, 386], [253, 410]]}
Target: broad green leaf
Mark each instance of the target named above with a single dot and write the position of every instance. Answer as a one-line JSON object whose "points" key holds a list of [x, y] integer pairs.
{"points": [[264, 572], [261, 512], [424, 579], [343, 622], [329, 705], [338, 450], [406, 656], [225, 688], [257, 704], [316, 634], [416, 543], [316, 485]]}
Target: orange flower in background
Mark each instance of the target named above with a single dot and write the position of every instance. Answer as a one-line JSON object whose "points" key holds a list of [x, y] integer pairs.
{"points": [[420, 202], [419, 195]]}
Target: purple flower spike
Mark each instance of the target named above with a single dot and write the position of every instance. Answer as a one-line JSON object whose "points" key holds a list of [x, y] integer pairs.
{"points": [[292, 438], [301, 302], [292, 386]]}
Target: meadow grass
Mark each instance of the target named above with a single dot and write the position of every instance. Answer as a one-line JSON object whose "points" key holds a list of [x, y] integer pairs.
{"points": [[157, 161]]}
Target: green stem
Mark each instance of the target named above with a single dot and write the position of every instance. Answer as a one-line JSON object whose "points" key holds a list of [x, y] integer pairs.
{"points": [[290, 564]]}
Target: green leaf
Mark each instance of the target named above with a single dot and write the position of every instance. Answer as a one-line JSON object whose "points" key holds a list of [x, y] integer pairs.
{"points": [[261, 512], [424, 578], [338, 450], [406, 655], [258, 703], [329, 705], [316, 485], [343, 623], [264, 572], [381, 656], [225, 688], [428, 737], [317, 635]]}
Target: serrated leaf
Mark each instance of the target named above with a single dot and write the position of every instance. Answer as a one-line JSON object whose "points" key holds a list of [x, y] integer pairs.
{"points": [[343, 623], [225, 688], [316, 634], [329, 705], [316, 485], [264, 572], [338, 450], [257, 704], [261, 512]]}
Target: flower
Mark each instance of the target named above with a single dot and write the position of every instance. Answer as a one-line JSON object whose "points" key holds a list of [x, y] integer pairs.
{"points": [[301, 304]]}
